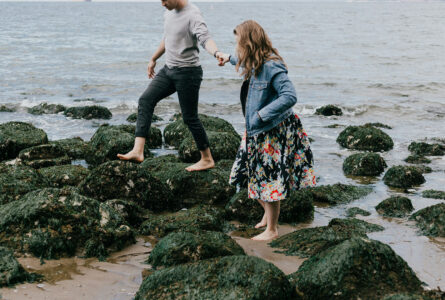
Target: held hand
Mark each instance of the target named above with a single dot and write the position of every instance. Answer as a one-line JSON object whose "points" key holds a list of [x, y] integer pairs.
{"points": [[222, 58], [151, 69]]}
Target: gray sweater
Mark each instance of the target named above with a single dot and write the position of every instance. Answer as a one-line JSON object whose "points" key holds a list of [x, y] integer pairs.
{"points": [[183, 29]]}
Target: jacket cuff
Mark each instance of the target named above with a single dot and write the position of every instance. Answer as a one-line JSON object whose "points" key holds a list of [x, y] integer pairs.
{"points": [[260, 116], [233, 59]]}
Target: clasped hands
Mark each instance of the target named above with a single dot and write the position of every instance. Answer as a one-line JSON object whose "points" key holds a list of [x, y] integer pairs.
{"points": [[222, 58]]}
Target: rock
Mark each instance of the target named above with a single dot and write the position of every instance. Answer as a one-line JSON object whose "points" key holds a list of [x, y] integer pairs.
{"points": [[329, 110], [377, 125], [5, 108], [229, 278], [403, 177], [364, 164], [335, 126], [75, 148], [365, 138], [223, 145], [353, 211], [177, 131], [131, 212], [60, 176], [338, 193], [52, 223], [88, 112], [133, 118], [423, 169], [431, 220], [295, 209], [357, 268], [16, 181], [16, 136], [395, 206], [356, 224], [45, 108], [417, 159], [425, 149], [433, 194], [43, 156], [184, 247], [11, 271], [200, 217], [108, 141], [126, 180]]}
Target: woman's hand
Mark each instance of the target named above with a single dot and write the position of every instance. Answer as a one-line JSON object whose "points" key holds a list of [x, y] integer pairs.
{"points": [[222, 58], [151, 69]]}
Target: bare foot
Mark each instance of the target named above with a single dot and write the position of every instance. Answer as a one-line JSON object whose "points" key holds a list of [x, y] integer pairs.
{"points": [[132, 155], [201, 165], [265, 235], [262, 223]]}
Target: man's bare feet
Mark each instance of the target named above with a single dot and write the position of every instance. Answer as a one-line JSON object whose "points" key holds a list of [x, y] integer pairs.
{"points": [[262, 223], [132, 155], [265, 235], [203, 164]]}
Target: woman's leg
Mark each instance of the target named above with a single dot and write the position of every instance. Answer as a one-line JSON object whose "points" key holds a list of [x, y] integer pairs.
{"points": [[263, 221], [272, 214]]}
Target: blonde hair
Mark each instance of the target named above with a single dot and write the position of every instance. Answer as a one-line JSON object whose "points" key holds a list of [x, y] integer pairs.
{"points": [[254, 48]]}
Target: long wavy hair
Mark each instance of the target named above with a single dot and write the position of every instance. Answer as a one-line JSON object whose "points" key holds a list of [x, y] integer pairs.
{"points": [[254, 48]]}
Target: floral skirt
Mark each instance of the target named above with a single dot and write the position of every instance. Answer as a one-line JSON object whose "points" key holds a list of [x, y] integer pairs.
{"points": [[272, 163]]}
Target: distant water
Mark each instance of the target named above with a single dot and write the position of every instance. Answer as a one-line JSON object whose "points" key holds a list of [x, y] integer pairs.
{"points": [[380, 62]]}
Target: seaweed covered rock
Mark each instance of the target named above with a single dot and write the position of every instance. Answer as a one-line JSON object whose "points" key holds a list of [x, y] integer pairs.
{"points": [[433, 194], [425, 295], [353, 211], [403, 177], [88, 112], [7, 108], [296, 208], [184, 247], [431, 220], [357, 268], [126, 180], [130, 211], [377, 124], [426, 149], [395, 206], [177, 131], [75, 148], [329, 110], [365, 138], [60, 176], [200, 217], [109, 140], [134, 117], [227, 278], [11, 271], [45, 108], [223, 145], [355, 224], [417, 159], [364, 164], [15, 181], [16, 136], [208, 187], [42, 156], [51, 223], [338, 193]]}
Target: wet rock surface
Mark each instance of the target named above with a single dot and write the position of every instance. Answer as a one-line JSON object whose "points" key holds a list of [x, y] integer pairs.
{"points": [[353, 211], [75, 148], [433, 194], [365, 138], [425, 149], [329, 110], [42, 156], [45, 108], [431, 220], [130, 211], [11, 271], [417, 159], [88, 112], [379, 125], [395, 206], [6, 108], [134, 117], [60, 176], [364, 164], [403, 177], [338, 193]]}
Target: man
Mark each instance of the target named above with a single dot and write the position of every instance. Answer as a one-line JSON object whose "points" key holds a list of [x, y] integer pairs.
{"points": [[184, 27]]}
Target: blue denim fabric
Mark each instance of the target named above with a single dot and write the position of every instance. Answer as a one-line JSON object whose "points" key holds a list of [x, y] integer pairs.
{"points": [[270, 98]]}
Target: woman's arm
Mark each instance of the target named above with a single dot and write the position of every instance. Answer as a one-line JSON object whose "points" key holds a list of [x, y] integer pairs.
{"points": [[223, 58]]}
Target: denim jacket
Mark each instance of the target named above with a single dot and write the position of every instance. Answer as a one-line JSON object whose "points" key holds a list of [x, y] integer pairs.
{"points": [[270, 97]]}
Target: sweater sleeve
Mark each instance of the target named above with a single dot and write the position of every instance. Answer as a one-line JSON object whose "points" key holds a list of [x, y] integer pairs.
{"points": [[199, 28]]}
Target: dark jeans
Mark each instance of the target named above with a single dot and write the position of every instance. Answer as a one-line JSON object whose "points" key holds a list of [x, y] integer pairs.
{"points": [[186, 81]]}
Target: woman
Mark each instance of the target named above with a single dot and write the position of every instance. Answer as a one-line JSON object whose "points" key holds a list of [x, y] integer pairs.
{"points": [[274, 157]]}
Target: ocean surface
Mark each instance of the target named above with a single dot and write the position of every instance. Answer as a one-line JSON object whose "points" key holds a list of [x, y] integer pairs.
{"points": [[379, 61]]}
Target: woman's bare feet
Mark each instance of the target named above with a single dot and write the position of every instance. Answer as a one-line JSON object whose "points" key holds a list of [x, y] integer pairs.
{"points": [[203, 164], [262, 223], [265, 235], [132, 155]]}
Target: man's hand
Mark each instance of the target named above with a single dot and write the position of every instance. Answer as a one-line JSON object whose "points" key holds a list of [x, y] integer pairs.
{"points": [[222, 58], [151, 69]]}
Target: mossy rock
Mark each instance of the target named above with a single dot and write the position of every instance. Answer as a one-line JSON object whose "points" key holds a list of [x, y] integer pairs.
{"points": [[223, 145], [431, 220], [184, 247], [130, 211], [365, 138], [88, 112], [11, 271], [356, 224], [228, 278], [60, 176], [201, 217], [426, 149], [134, 117], [357, 268], [433, 194], [377, 124], [16, 181], [329, 110], [45, 108], [338, 193], [395, 206], [177, 131], [209, 186], [5, 108], [403, 177], [353, 211], [75, 148], [417, 159], [298, 207], [16, 136], [52, 223], [43, 156], [364, 164], [108, 141], [126, 180]]}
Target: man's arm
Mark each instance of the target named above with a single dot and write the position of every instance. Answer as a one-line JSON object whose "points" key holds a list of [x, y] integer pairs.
{"points": [[152, 63]]}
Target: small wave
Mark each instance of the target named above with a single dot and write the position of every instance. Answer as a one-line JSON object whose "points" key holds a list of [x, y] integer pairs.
{"points": [[431, 86]]}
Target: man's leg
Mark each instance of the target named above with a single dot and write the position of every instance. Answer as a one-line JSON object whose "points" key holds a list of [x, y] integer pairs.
{"points": [[160, 87], [187, 83]]}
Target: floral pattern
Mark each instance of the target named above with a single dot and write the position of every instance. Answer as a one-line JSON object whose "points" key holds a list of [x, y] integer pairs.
{"points": [[273, 163]]}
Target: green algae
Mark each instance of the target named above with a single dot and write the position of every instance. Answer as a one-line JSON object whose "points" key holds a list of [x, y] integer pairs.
{"points": [[365, 138], [353, 211], [88, 112], [417, 159], [60, 176], [75, 148], [426, 149], [395, 206], [403, 177], [11, 271], [45, 108], [433, 194], [329, 110], [431, 220], [364, 164]]}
